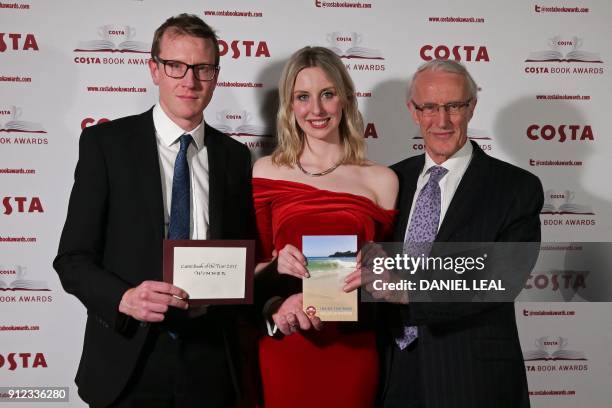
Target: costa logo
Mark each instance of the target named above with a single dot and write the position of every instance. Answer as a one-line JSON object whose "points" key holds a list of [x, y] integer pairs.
{"points": [[555, 280], [12, 361], [114, 38], [18, 42], [561, 202], [239, 123], [246, 48], [16, 279], [311, 311], [370, 131], [552, 348], [91, 121], [469, 53], [22, 205], [564, 56], [564, 50], [348, 45], [17, 125], [561, 132]]}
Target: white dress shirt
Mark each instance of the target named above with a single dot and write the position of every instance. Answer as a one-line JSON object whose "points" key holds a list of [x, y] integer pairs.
{"points": [[167, 134], [456, 165]]}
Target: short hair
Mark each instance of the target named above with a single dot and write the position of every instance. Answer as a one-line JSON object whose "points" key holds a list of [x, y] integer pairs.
{"points": [[450, 66], [185, 24], [290, 136]]}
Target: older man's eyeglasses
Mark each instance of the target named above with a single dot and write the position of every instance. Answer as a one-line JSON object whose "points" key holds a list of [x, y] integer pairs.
{"points": [[178, 69], [452, 108]]}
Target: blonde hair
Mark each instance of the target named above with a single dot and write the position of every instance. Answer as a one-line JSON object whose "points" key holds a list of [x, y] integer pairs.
{"points": [[291, 138]]}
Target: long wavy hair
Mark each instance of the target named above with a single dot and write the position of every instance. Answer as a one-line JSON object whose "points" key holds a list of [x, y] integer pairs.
{"points": [[291, 138]]}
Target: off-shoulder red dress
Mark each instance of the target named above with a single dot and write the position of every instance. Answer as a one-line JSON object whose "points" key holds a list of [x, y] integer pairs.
{"points": [[337, 366]]}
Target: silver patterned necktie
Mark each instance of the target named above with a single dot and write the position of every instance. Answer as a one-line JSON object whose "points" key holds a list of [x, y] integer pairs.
{"points": [[422, 230]]}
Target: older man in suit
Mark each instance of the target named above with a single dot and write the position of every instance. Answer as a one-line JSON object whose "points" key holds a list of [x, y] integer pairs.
{"points": [[456, 354], [139, 179]]}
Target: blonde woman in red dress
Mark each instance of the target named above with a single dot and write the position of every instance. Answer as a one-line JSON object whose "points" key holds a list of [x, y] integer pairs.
{"points": [[317, 182]]}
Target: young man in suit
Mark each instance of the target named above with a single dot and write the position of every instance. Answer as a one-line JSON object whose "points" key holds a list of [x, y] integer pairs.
{"points": [[143, 345], [457, 354]]}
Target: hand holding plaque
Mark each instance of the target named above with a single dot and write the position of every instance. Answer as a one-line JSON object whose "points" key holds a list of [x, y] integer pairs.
{"points": [[211, 271]]}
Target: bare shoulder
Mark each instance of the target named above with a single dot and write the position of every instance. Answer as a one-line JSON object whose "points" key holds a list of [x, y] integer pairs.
{"points": [[383, 182], [263, 167]]}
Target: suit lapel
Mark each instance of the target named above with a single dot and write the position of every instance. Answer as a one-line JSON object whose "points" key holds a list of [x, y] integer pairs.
{"points": [[463, 204], [217, 163], [144, 151], [408, 176]]}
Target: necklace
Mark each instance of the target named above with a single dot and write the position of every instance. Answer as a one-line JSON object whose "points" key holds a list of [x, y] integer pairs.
{"points": [[319, 174]]}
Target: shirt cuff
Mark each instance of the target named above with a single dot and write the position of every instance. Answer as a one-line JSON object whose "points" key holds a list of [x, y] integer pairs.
{"points": [[267, 315]]}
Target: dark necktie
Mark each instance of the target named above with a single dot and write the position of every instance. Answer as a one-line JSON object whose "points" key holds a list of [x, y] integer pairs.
{"points": [[179, 206], [423, 230]]}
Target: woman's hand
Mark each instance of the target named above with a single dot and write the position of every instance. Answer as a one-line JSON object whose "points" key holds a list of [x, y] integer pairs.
{"points": [[291, 262]]}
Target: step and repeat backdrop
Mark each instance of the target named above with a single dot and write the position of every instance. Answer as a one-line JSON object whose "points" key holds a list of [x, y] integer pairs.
{"points": [[543, 69]]}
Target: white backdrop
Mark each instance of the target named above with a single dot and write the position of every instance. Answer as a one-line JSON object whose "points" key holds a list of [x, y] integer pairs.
{"points": [[543, 70]]}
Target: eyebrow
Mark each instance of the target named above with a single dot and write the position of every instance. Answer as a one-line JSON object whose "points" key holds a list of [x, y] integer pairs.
{"points": [[331, 88], [434, 103]]}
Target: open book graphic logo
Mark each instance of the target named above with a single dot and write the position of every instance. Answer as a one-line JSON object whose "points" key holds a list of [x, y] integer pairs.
{"points": [[115, 38], [552, 348], [561, 202], [555, 54], [347, 45], [238, 124], [473, 134], [13, 278], [15, 124]]}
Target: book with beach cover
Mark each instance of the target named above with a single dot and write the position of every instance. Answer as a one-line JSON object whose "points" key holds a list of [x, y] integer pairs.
{"points": [[331, 258]]}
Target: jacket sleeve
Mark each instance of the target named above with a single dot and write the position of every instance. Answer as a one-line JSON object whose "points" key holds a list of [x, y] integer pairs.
{"points": [[81, 249]]}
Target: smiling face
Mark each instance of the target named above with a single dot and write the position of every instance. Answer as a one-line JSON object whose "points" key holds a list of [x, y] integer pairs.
{"points": [[442, 133], [184, 100], [316, 104]]}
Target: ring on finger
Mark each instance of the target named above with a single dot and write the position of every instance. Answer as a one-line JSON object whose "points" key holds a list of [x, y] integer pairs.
{"points": [[292, 320]]}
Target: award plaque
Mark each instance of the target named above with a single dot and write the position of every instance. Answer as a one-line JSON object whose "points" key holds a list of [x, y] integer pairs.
{"points": [[212, 272]]}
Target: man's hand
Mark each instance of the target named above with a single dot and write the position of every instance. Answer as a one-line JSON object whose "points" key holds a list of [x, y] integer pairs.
{"points": [[364, 276], [149, 301], [289, 318]]}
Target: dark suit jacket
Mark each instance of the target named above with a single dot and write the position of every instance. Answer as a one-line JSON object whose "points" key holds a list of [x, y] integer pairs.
{"points": [[470, 354], [112, 239]]}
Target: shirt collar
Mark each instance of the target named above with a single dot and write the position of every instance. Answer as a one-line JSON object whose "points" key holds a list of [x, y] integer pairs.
{"points": [[169, 132], [457, 161]]}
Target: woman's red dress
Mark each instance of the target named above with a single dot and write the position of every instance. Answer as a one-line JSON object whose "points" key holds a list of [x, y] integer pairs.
{"points": [[337, 366]]}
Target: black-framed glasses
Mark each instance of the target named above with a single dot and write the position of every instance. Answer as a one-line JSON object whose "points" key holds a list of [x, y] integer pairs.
{"points": [[178, 69], [452, 108]]}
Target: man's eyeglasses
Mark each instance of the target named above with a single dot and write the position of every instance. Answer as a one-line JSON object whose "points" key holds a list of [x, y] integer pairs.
{"points": [[178, 69], [452, 108]]}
